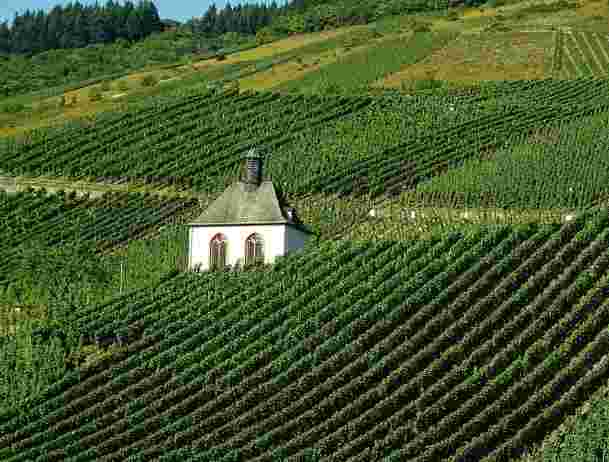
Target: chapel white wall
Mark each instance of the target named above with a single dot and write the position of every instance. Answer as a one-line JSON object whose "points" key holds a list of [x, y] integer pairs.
{"points": [[200, 237]]}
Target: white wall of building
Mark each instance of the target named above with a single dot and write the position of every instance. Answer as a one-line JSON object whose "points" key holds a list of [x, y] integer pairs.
{"points": [[200, 236]]}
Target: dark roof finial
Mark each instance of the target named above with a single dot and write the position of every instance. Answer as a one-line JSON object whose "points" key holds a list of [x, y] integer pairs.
{"points": [[252, 168]]}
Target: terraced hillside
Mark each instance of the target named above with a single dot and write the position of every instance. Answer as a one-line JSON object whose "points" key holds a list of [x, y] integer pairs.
{"points": [[453, 348], [196, 137], [359, 69], [452, 311], [53, 219], [317, 144], [584, 55], [558, 165], [486, 55], [61, 251]]}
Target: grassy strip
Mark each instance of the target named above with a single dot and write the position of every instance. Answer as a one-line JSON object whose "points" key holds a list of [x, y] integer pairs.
{"points": [[356, 71]]}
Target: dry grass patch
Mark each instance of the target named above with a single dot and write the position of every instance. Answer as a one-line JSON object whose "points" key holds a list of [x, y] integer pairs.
{"points": [[291, 43], [11, 315], [294, 70], [479, 12], [10, 131], [486, 56], [544, 136], [279, 74], [56, 117], [280, 46], [593, 8]]}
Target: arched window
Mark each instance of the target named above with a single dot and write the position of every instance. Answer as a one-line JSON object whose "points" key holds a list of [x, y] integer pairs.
{"points": [[254, 249], [217, 252]]}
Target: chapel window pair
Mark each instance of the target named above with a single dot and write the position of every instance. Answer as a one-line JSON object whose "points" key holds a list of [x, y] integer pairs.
{"points": [[254, 250]]}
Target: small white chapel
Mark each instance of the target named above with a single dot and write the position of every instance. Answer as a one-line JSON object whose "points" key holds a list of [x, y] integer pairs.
{"points": [[246, 224]]}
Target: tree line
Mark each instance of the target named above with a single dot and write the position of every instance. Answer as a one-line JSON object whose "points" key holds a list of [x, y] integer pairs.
{"points": [[243, 19], [76, 26]]}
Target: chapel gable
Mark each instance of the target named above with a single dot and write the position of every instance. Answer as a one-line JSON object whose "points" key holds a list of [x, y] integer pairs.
{"points": [[246, 225]]}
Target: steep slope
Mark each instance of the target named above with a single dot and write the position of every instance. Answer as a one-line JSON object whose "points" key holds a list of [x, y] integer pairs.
{"points": [[317, 144], [438, 349], [187, 138], [559, 165], [52, 219]]}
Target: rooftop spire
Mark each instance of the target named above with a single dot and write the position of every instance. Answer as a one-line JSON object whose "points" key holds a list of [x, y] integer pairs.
{"points": [[251, 168]]}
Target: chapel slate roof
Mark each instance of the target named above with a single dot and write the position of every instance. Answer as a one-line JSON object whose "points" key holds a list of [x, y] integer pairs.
{"points": [[246, 204]]}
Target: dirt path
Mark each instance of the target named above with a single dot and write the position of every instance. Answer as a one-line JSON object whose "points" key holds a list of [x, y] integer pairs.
{"points": [[16, 184]]}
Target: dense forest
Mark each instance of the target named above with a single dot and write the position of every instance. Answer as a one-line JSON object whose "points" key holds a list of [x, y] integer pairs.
{"points": [[249, 18], [243, 19], [76, 26]]}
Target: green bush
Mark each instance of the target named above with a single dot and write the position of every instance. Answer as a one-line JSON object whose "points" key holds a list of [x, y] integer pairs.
{"points": [[265, 35], [105, 86], [95, 94], [421, 84], [149, 81], [421, 27], [586, 440], [12, 108], [122, 85], [548, 7]]}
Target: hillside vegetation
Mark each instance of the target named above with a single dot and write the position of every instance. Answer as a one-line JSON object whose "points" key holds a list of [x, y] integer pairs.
{"points": [[517, 41], [452, 305], [432, 349], [360, 144], [60, 252]]}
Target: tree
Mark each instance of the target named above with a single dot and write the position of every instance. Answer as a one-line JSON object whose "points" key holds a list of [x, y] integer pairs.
{"points": [[220, 24], [98, 28], [54, 27], [122, 17], [39, 32], [134, 26], [80, 31], [149, 15], [312, 22], [298, 5], [229, 18], [209, 19], [66, 39], [19, 41], [5, 38]]}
